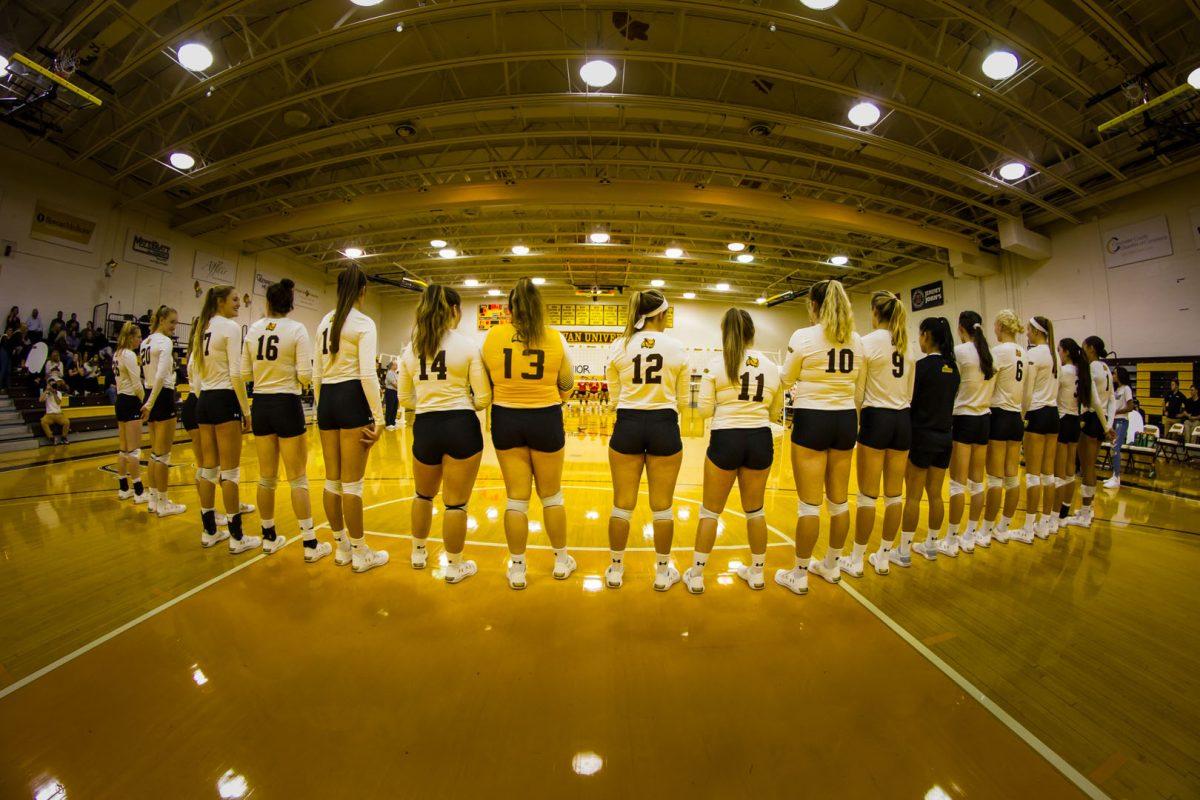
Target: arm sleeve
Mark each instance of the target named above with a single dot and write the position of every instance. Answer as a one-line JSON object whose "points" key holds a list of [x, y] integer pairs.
{"points": [[566, 371], [366, 372], [481, 385], [233, 350], [1027, 389], [707, 404], [1095, 405], [247, 361], [792, 366], [776, 412], [318, 372], [683, 387], [912, 374], [613, 376], [304, 357], [406, 394], [162, 365]]}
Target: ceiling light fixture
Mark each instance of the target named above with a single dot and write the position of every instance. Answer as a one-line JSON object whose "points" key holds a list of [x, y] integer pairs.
{"points": [[353, 252], [760, 300], [182, 161], [448, 252], [598, 73], [722, 287], [520, 250], [820, 5], [366, 3], [1013, 171], [689, 295], [736, 247], [439, 243], [864, 114], [1193, 78], [658, 282], [194, 56], [494, 292], [471, 282], [673, 252], [3, 65], [744, 258], [538, 281], [839, 261], [599, 237], [1000, 64]]}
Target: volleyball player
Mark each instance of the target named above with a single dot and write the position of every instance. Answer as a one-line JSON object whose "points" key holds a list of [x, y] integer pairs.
{"points": [[1040, 402], [1095, 426], [277, 357], [1074, 393], [223, 412], [531, 376], [349, 416], [827, 359], [158, 376], [649, 376], [1005, 434], [1122, 404], [442, 379], [741, 391], [970, 428], [885, 425], [130, 394], [935, 387]]}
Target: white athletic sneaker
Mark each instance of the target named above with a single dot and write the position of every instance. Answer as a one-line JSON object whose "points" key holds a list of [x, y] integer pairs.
{"points": [[456, 573], [139, 499], [419, 557], [124, 495], [1113, 483], [983, 539], [753, 576], [1002, 536], [364, 558], [831, 574], [169, 509], [898, 558], [1042, 530], [948, 546], [247, 508], [216, 538], [344, 552], [880, 564], [151, 505], [516, 576], [563, 567], [1078, 520], [391, 427], [927, 549], [693, 581], [794, 580], [614, 576], [1055, 522], [665, 576], [270, 546], [848, 565], [314, 554], [244, 544], [966, 543]]}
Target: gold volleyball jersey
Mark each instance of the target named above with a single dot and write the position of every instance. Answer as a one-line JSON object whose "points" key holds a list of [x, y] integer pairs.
{"points": [[523, 376]]}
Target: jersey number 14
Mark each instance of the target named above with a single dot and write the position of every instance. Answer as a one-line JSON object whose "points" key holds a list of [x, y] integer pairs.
{"points": [[438, 367]]}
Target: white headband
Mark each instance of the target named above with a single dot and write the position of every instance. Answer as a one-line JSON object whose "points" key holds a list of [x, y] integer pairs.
{"points": [[1033, 322], [641, 321]]}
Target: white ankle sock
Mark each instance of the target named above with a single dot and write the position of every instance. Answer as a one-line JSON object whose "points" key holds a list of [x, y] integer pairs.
{"points": [[857, 553]]}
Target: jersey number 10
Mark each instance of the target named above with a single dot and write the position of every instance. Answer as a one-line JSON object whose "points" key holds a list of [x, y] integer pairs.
{"points": [[844, 360]]}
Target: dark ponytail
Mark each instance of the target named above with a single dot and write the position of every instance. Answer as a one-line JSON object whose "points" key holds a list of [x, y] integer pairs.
{"points": [[1097, 345], [281, 298], [435, 316], [972, 323], [351, 283], [737, 333], [939, 332], [1083, 372], [528, 312]]}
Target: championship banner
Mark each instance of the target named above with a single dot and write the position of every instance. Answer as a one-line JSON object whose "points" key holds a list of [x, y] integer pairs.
{"points": [[304, 296], [213, 269], [611, 315], [928, 296], [149, 251], [1141, 241], [58, 227]]}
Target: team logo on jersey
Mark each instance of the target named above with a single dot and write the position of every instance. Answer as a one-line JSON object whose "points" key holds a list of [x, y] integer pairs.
{"points": [[270, 326], [751, 361], [947, 369], [647, 344]]}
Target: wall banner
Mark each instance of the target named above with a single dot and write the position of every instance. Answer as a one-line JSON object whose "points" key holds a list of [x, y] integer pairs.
{"points": [[149, 251], [59, 227], [213, 269], [304, 296], [928, 296], [591, 337], [1140, 241]]}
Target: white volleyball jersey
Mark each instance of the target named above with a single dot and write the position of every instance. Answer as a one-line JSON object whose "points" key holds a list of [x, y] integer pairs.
{"points": [[453, 380], [1068, 390], [277, 356], [831, 375], [128, 371], [355, 358], [752, 400], [1041, 385], [222, 348], [158, 359], [649, 372], [974, 396], [889, 378], [1102, 387], [1009, 361]]}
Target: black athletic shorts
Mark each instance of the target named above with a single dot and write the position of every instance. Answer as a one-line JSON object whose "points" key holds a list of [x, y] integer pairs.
{"points": [[1006, 426], [931, 449], [343, 406], [187, 412], [971, 428], [218, 406], [279, 415], [128, 408], [650, 433], [885, 428], [437, 434], [1090, 424], [1068, 429], [538, 429], [734, 448], [164, 407], [824, 430], [1042, 420]]}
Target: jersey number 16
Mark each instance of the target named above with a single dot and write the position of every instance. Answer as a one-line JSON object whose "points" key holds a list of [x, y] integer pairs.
{"points": [[268, 348]]}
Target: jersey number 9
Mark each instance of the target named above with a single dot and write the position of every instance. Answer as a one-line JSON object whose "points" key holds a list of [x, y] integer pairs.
{"points": [[538, 365], [438, 367], [897, 364], [268, 348]]}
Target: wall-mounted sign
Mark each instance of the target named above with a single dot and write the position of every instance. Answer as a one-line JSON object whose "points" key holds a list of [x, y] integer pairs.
{"points": [[611, 315], [490, 315], [591, 337], [149, 251], [58, 227], [928, 296], [304, 296], [1140, 241], [213, 269]]}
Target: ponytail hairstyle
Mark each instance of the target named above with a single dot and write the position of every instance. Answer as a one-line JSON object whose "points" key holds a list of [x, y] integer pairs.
{"points": [[642, 304], [158, 316], [939, 332], [435, 317], [1083, 373], [832, 305], [737, 333], [1008, 322], [281, 298], [352, 282], [1097, 345], [125, 338], [212, 299], [1046, 327], [888, 308], [527, 311], [972, 323]]}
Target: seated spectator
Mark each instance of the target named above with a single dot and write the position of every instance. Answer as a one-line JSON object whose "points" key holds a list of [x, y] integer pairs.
{"points": [[55, 369], [91, 340], [72, 339], [1137, 421], [76, 376], [14, 318], [35, 327], [1191, 412], [52, 396]]}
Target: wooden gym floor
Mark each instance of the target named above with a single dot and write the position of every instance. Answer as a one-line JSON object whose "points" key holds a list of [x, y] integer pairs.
{"points": [[134, 664]]}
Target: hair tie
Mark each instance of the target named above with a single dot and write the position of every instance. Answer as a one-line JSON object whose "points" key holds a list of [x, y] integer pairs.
{"points": [[1034, 324], [641, 321], [977, 326]]}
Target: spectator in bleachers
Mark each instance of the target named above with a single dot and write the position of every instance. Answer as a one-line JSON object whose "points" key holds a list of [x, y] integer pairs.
{"points": [[14, 318], [73, 324], [91, 340], [55, 369], [1174, 404], [1191, 408], [35, 327], [52, 396], [8, 346], [72, 338]]}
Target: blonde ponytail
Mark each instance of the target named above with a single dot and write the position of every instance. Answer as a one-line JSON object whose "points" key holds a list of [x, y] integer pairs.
{"points": [[1009, 322], [833, 309], [641, 304], [888, 308], [737, 333], [125, 337], [211, 300], [527, 311]]}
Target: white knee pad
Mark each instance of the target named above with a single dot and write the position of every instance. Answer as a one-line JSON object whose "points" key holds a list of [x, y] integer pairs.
{"points": [[994, 481], [231, 475], [520, 506], [1087, 491], [974, 487], [1012, 482], [353, 487], [708, 513], [836, 508], [758, 513], [1066, 481], [807, 510], [864, 500], [134, 454], [957, 488], [552, 500], [268, 483], [333, 487], [1033, 481], [209, 474], [299, 483], [1049, 480], [663, 515], [164, 458], [893, 499], [621, 513]]}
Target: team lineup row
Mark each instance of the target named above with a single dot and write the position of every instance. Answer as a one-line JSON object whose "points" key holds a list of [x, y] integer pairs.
{"points": [[914, 412]]}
